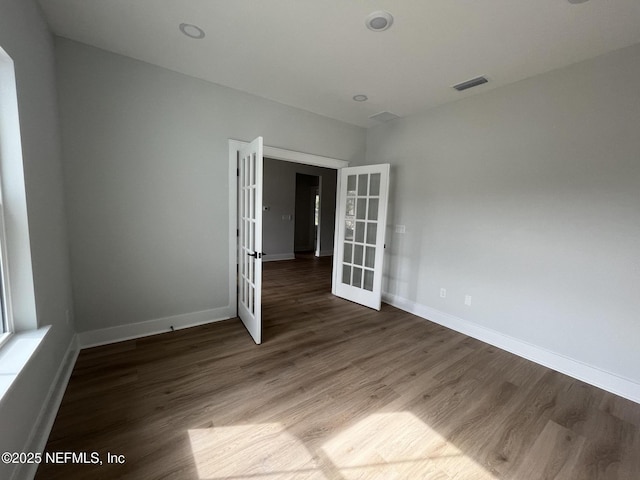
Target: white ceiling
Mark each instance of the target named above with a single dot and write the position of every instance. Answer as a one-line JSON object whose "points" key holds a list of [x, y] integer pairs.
{"points": [[317, 54]]}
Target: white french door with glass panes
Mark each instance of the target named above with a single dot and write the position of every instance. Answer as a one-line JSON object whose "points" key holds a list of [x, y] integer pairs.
{"points": [[250, 238], [361, 221]]}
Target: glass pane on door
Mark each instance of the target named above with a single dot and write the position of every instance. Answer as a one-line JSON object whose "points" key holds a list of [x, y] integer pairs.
{"points": [[368, 280], [346, 274], [360, 226], [370, 257], [357, 277], [363, 180], [358, 254], [351, 185], [348, 252], [372, 230], [374, 188], [373, 209], [361, 209]]}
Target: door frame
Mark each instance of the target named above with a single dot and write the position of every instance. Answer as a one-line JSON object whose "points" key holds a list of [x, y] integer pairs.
{"points": [[317, 244], [268, 152]]}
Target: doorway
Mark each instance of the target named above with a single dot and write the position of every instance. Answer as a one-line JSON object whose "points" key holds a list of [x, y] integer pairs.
{"points": [[306, 237], [235, 147], [362, 193], [298, 210]]}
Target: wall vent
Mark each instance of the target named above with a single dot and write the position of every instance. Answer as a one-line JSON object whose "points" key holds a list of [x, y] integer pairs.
{"points": [[474, 82]]}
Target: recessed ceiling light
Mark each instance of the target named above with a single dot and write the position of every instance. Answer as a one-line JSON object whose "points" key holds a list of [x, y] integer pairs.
{"points": [[379, 21], [360, 98], [192, 31]]}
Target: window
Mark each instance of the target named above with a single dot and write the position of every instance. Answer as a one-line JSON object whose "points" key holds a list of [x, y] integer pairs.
{"points": [[5, 314], [13, 243], [20, 334], [3, 318]]}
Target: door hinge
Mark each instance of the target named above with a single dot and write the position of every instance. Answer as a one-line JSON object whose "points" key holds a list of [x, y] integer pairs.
{"points": [[237, 172], [237, 232]]}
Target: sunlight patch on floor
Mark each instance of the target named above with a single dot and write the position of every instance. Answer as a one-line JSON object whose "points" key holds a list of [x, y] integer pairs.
{"points": [[262, 451], [398, 445]]}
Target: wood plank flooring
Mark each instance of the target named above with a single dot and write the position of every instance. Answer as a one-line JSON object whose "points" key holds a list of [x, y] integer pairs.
{"points": [[336, 391]]}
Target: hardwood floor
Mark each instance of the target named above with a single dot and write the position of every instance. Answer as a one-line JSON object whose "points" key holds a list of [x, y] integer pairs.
{"points": [[336, 391]]}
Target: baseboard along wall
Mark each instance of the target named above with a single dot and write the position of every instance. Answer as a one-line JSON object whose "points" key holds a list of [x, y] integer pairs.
{"points": [[587, 373], [119, 333], [276, 257]]}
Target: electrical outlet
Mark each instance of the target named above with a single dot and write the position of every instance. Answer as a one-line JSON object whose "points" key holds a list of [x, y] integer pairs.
{"points": [[401, 228], [443, 293], [467, 300]]}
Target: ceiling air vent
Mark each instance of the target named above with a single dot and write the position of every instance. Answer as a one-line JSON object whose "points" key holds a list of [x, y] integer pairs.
{"points": [[384, 116], [474, 82]]}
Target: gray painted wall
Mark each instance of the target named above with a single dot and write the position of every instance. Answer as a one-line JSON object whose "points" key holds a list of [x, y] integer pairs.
{"points": [[24, 35], [280, 195], [527, 198], [146, 161]]}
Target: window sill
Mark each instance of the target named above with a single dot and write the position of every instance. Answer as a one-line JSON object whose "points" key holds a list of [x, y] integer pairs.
{"points": [[4, 338], [15, 354]]}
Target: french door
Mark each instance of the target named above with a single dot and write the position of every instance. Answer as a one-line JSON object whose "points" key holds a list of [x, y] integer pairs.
{"points": [[361, 220], [250, 238]]}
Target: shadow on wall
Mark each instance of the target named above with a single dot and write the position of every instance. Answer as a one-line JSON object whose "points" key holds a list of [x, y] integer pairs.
{"points": [[402, 250]]}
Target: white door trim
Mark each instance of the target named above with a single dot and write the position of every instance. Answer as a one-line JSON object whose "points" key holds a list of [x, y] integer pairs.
{"points": [[318, 244], [268, 152]]}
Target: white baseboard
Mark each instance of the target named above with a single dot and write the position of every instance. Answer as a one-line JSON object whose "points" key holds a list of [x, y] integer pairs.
{"points": [[94, 338], [276, 257], [608, 381], [44, 422]]}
